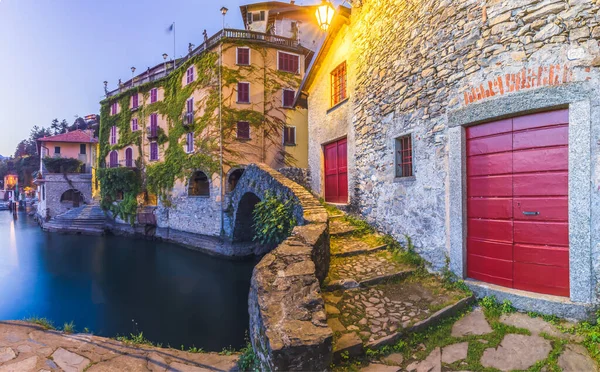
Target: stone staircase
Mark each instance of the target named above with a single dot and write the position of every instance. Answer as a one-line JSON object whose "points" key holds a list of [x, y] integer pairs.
{"points": [[88, 220], [374, 295]]}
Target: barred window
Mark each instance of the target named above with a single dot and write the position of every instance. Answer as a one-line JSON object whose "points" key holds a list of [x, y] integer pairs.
{"points": [[338, 84], [404, 156]]}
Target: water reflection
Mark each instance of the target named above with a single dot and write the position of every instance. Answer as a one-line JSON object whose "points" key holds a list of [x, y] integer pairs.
{"points": [[175, 295]]}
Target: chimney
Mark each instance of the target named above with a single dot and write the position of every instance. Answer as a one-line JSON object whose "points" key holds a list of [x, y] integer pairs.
{"points": [[292, 2]]}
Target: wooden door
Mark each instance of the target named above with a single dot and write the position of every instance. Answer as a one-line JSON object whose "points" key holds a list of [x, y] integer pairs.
{"points": [[517, 208], [336, 172]]}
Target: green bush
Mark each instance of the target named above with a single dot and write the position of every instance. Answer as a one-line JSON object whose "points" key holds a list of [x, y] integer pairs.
{"points": [[62, 165], [115, 182], [248, 360], [273, 220]]}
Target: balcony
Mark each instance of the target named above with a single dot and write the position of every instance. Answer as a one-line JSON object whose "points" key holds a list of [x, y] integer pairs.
{"points": [[152, 132], [223, 35], [188, 118]]}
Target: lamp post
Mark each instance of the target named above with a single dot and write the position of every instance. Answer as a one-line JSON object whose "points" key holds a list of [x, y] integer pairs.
{"points": [[165, 56], [132, 75], [106, 88], [324, 14], [221, 175]]}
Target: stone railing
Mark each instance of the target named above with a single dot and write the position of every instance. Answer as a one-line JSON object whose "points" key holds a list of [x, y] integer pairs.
{"points": [[288, 323]]}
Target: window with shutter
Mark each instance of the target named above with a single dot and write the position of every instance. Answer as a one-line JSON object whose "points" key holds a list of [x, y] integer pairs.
{"points": [[243, 56], [129, 158], [243, 93], [288, 63], [338, 84], [113, 135], [153, 95], [134, 124], [190, 75], [289, 136], [114, 159], [190, 142], [288, 97], [134, 101], [153, 151], [243, 130]]}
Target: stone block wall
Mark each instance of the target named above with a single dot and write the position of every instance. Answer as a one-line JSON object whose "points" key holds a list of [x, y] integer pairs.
{"points": [[56, 185]]}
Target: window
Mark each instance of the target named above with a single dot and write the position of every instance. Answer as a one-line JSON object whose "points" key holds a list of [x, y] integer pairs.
{"points": [[82, 149], [256, 16], [190, 75], [114, 159], [289, 136], [153, 125], [153, 95], [189, 147], [114, 108], [113, 135], [243, 56], [288, 63], [249, 18], [189, 111], [153, 151], [243, 130], [129, 158], [404, 163], [338, 84], [243, 93], [134, 124], [199, 185], [288, 97], [134, 101], [43, 192], [57, 150], [233, 179]]}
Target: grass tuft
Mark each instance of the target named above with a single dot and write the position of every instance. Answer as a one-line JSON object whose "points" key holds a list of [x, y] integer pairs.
{"points": [[69, 327], [43, 322]]}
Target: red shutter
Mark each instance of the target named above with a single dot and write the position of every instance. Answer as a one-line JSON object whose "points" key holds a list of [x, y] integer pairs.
{"points": [[289, 62], [288, 97], [243, 55], [243, 92]]}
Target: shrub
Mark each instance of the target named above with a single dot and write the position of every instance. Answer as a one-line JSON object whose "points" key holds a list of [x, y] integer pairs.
{"points": [[273, 220], [62, 165]]}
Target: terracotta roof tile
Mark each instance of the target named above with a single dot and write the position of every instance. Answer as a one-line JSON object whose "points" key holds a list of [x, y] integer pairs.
{"points": [[77, 136]]}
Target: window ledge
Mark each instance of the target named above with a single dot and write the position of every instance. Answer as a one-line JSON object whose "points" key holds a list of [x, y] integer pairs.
{"points": [[338, 105], [290, 144], [410, 179], [242, 103], [244, 139], [133, 109]]}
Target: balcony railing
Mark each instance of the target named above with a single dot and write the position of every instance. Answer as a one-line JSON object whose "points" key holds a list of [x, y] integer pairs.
{"points": [[225, 34]]}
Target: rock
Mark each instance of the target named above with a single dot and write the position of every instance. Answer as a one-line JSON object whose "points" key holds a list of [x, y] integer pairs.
{"points": [[68, 361], [331, 310], [433, 363], [516, 352], [534, 325], [395, 359], [6, 354], [454, 353], [335, 325], [350, 343], [575, 358], [374, 367], [24, 365], [472, 324]]}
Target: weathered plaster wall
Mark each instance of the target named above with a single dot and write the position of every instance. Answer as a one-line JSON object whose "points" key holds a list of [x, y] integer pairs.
{"points": [[417, 62], [56, 185]]}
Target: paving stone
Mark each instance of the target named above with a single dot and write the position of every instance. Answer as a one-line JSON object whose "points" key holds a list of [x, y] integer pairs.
{"points": [[516, 352], [433, 363], [374, 367], [350, 343], [121, 363], [24, 365], [157, 363], [6, 354], [454, 353], [473, 323], [575, 358], [336, 325], [331, 310], [180, 367], [395, 359], [68, 361], [535, 325]]}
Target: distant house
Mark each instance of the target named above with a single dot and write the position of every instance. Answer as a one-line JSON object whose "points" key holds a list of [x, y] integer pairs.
{"points": [[66, 174]]}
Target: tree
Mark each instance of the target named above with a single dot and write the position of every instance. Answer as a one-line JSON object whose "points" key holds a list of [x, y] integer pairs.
{"points": [[64, 126], [55, 126]]}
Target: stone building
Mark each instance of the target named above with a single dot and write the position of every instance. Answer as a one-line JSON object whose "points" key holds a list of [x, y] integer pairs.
{"points": [[472, 127], [64, 185], [191, 140]]}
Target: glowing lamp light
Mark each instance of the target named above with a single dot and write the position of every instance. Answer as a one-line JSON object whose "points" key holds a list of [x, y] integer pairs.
{"points": [[324, 14]]}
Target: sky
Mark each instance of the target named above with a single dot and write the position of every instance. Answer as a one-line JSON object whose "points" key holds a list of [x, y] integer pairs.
{"points": [[55, 54]]}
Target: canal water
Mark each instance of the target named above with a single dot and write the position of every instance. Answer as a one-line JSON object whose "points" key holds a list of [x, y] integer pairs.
{"points": [[117, 286]]}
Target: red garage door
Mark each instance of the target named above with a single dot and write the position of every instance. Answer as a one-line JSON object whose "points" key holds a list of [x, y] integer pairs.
{"points": [[336, 172], [517, 208]]}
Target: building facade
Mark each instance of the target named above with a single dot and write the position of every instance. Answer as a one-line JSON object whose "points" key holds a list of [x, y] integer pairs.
{"points": [[66, 178], [471, 127], [190, 126]]}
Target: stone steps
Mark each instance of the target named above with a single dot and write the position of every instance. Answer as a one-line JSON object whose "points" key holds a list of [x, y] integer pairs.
{"points": [[88, 220], [339, 227]]}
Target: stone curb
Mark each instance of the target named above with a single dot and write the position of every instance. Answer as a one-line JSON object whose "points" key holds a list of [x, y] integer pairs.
{"points": [[346, 284], [446, 312], [360, 251]]}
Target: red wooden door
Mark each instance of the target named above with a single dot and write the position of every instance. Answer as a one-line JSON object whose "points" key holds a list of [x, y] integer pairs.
{"points": [[517, 205], [336, 172]]}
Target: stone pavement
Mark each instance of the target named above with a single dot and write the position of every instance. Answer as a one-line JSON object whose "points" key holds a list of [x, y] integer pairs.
{"points": [[514, 352], [27, 347]]}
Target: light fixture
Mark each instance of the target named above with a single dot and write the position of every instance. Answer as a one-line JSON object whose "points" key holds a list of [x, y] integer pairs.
{"points": [[165, 56], [224, 10], [324, 14]]}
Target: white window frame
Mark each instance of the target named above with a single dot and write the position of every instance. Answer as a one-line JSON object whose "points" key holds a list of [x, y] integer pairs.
{"points": [[293, 54], [295, 136], [283, 97], [249, 56], [187, 143]]}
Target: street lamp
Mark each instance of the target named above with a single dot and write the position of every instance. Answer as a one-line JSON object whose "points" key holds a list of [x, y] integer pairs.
{"points": [[165, 56], [221, 175], [132, 74], [106, 87], [324, 14]]}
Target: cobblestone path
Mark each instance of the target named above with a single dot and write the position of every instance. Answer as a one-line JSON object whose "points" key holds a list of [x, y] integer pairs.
{"points": [[27, 347]]}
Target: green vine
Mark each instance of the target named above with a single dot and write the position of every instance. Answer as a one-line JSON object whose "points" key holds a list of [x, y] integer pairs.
{"points": [[273, 220], [267, 118], [119, 191]]}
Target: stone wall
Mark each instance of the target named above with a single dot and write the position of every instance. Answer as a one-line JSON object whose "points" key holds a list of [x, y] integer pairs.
{"points": [[288, 323], [299, 175], [56, 185]]}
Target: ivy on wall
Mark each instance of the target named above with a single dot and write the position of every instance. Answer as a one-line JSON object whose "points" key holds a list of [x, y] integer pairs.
{"points": [[159, 177], [119, 191]]}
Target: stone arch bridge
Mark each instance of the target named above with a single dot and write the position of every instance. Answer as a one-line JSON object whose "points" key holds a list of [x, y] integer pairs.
{"points": [[288, 325]]}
